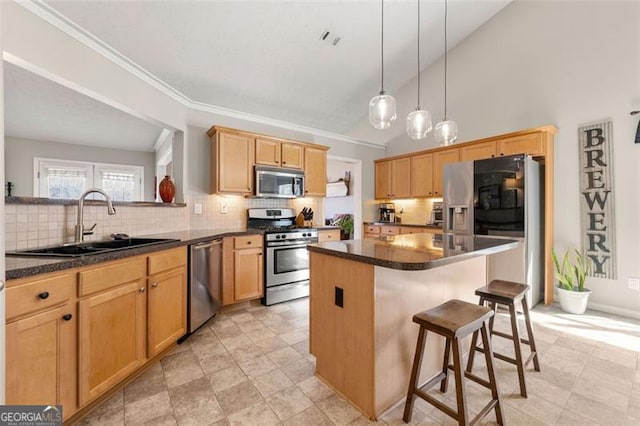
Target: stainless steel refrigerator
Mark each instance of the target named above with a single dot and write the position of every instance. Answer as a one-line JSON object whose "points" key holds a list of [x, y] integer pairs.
{"points": [[500, 197]]}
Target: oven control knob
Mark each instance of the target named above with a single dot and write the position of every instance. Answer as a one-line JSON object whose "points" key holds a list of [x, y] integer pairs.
{"points": [[277, 237], [306, 235], [283, 236]]}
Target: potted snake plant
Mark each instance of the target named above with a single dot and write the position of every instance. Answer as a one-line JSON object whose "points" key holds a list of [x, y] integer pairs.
{"points": [[571, 275]]}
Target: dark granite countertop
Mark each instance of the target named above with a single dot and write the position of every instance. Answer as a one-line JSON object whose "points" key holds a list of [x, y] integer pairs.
{"points": [[415, 252], [25, 266], [415, 225]]}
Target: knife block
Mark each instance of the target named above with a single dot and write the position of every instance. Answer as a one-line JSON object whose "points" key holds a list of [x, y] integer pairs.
{"points": [[300, 221]]}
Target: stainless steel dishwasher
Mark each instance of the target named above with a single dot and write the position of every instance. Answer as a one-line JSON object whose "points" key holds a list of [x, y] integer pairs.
{"points": [[205, 282]]}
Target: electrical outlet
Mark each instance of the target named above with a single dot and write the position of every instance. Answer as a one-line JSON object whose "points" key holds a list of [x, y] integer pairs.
{"points": [[633, 283], [223, 208], [197, 208]]}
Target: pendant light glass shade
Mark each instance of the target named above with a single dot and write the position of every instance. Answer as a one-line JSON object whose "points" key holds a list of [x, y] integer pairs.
{"points": [[419, 124], [382, 108], [382, 111], [446, 132], [418, 121]]}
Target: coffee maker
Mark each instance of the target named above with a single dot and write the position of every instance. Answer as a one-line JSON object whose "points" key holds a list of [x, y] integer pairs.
{"points": [[387, 212]]}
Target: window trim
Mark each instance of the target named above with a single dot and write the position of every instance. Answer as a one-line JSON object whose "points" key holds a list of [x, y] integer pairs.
{"points": [[93, 169]]}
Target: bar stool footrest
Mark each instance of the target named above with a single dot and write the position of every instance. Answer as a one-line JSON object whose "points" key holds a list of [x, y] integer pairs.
{"points": [[500, 356], [531, 357], [433, 381], [490, 406], [441, 406]]}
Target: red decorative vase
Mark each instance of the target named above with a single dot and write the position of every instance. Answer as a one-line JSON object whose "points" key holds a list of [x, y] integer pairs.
{"points": [[167, 189]]}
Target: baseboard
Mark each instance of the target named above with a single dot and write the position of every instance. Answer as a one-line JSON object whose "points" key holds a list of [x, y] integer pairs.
{"points": [[614, 310]]}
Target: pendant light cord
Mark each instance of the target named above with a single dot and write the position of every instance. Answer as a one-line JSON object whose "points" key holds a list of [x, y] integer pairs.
{"points": [[418, 55], [445, 60], [382, 48]]}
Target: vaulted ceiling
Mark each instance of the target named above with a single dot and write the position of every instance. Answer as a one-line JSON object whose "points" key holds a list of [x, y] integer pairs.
{"points": [[268, 57]]}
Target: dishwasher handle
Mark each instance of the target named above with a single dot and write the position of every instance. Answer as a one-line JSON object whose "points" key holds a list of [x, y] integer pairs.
{"points": [[207, 245]]}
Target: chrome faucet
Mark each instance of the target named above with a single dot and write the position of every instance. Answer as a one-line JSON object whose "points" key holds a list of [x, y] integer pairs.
{"points": [[80, 232]]}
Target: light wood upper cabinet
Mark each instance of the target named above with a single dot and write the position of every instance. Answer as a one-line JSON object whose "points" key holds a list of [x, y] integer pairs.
{"points": [[422, 175], [232, 160], [268, 152], [383, 179], [234, 153], [292, 155], [531, 144], [111, 338], [478, 151], [393, 178], [273, 152], [440, 158], [315, 171]]}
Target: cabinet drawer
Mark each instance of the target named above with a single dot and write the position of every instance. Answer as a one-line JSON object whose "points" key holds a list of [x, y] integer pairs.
{"points": [[390, 230], [330, 235], [413, 230], [168, 259], [36, 295], [371, 229], [111, 275], [247, 241]]}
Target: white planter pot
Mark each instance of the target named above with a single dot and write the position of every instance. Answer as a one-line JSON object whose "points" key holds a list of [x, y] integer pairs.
{"points": [[573, 302]]}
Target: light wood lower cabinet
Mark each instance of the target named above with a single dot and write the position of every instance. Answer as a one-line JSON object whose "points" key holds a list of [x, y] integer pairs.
{"points": [[41, 341], [243, 269], [73, 335], [41, 359], [328, 235], [111, 337], [167, 301]]}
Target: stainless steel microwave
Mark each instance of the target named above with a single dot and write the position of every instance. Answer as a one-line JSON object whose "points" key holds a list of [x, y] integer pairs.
{"points": [[273, 182]]}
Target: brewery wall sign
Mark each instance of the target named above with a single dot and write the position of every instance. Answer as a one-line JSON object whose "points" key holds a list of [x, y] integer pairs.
{"points": [[597, 205]]}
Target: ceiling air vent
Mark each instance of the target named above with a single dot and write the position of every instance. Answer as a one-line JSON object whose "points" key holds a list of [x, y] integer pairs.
{"points": [[328, 37]]}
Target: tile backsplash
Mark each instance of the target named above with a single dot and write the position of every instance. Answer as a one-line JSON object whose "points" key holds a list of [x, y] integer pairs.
{"points": [[36, 225]]}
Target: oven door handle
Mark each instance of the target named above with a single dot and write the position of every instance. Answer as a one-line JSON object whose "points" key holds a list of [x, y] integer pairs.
{"points": [[288, 243]]}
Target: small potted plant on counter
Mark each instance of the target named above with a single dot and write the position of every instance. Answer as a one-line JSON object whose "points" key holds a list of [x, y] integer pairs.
{"points": [[572, 294], [346, 227]]}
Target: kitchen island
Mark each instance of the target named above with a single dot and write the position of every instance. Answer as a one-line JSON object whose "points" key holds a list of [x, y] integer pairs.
{"points": [[364, 294]]}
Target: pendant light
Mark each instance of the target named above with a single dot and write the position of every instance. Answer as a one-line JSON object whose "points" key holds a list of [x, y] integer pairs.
{"points": [[382, 108], [418, 121], [446, 131]]}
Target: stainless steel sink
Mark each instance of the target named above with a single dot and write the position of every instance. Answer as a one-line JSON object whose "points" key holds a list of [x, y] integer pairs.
{"points": [[89, 248]]}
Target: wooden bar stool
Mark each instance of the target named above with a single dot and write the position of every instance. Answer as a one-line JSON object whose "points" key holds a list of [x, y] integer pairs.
{"points": [[499, 292], [453, 320]]}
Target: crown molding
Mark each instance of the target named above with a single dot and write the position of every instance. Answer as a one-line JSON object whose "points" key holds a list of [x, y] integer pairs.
{"points": [[73, 30], [200, 106]]}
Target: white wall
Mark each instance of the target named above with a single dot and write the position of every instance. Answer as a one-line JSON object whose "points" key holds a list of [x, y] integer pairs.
{"points": [[339, 205], [2, 267], [19, 154], [562, 63]]}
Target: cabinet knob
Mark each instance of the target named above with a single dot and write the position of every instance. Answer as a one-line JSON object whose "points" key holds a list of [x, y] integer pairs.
{"points": [[44, 295], [493, 155], [67, 317], [249, 242], [141, 289], [502, 153], [154, 285], [284, 162]]}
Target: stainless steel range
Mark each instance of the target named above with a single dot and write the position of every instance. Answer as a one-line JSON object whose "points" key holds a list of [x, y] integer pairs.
{"points": [[286, 275]]}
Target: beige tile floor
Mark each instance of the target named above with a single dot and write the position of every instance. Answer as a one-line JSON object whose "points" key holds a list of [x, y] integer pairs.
{"points": [[252, 367]]}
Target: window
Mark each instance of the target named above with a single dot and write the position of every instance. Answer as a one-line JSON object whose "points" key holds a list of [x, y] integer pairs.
{"points": [[69, 179]]}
